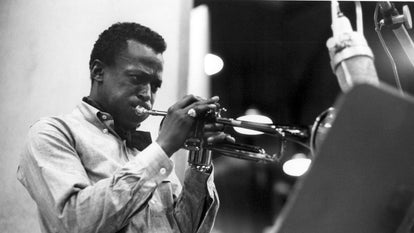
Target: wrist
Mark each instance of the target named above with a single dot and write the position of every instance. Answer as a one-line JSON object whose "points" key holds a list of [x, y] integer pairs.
{"points": [[169, 151]]}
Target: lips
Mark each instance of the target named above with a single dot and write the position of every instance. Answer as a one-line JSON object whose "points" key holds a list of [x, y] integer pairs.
{"points": [[139, 109]]}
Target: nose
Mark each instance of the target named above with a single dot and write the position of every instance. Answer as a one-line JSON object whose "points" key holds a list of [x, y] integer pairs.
{"points": [[144, 92]]}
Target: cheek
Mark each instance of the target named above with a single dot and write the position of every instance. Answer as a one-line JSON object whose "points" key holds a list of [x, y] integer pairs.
{"points": [[125, 92], [121, 101], [119, 97]]}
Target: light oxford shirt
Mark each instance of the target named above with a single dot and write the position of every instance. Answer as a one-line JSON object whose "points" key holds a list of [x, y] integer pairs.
{"points": [[84, 178]]}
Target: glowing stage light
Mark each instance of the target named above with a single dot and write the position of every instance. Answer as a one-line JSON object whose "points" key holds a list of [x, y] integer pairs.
{"points": [[297, 165], [212, 64], [252, 115]]}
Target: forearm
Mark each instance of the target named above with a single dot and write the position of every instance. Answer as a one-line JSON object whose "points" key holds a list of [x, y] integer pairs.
{"points": [[197, 205], [70, 203], [106, 206]]}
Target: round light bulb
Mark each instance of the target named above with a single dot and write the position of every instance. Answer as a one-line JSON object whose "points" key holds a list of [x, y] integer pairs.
{"points": [[212, 64], [297, 165], [252, 118]]}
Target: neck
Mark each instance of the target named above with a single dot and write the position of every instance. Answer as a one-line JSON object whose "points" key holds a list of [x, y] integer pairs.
{"points": [[92, 101], [117, 127], [120, 129]]}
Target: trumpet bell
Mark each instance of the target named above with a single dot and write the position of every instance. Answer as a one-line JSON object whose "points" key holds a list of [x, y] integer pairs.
{"points": [[320, 128]]}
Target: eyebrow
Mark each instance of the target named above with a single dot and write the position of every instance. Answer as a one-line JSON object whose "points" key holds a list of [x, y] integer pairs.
{"points": [[142, 72], [153, 63], [152, 77], [148, 61]]}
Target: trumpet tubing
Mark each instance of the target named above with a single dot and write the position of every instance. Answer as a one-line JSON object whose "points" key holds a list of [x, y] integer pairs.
{"points": [[281, 130], [200, 153]]}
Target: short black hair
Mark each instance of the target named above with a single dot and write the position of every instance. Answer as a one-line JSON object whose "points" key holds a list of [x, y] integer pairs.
{"points": [[114, 39]]}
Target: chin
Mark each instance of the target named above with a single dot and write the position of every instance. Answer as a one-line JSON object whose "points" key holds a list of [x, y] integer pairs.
{"points": [[141, 119], [135, 124], [130, 126]]}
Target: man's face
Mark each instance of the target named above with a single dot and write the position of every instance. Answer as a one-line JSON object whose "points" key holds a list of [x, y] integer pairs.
{"points": [[132, 81]]}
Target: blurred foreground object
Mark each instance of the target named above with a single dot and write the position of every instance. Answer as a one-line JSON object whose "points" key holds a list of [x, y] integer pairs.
{"points": [[360, 179], [351, 57]]}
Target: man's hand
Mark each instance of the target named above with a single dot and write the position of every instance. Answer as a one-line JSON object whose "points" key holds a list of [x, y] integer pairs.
{"points": [[180, 121], [213, 133]]}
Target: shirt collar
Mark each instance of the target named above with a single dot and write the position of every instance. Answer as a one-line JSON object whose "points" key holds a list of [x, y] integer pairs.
{"points": [[96, 116], [94, 113]]}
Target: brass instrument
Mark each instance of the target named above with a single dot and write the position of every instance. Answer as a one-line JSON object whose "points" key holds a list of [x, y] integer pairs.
{"points": [[200, 153]]}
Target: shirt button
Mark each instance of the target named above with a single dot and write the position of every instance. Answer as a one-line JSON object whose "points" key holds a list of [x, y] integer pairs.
{"points": [[163, 171], [105, 131]]}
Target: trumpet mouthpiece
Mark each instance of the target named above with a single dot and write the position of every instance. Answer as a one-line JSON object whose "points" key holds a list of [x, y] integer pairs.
{"points": [[141, 110]]}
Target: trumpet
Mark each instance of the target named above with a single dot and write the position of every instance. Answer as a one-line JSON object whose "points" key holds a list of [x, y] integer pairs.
{"points": [[200, 153], [281, 130]]}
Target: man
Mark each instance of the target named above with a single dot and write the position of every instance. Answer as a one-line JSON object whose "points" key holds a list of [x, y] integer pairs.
{"points": [[88, 171]]}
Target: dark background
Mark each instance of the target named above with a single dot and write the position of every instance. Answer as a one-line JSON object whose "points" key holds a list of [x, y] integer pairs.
{"points": [[275, 59]]}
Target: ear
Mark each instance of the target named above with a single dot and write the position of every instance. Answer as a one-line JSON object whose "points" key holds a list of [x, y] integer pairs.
{"points": [[97, 70]]}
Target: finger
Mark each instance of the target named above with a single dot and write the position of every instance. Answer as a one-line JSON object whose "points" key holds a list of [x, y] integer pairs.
{"points": [[230, 139], [200, 111], [213, 100], [221, 137], [213, 127], [202, 107], [185, 101], [190, 99]]}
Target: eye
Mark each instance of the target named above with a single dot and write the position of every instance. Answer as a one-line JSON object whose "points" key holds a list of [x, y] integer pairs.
{"points": [[145, 79], [137, 79], [155, 85]]}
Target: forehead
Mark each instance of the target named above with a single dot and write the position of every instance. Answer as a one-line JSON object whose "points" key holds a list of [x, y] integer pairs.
{"points": [[138, 54]]}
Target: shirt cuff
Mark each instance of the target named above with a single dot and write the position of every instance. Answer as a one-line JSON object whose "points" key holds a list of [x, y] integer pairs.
{"points": [[154, 161]]}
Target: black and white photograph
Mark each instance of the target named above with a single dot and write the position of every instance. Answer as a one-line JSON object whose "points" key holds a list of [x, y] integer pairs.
{"points": [[206, 116]]}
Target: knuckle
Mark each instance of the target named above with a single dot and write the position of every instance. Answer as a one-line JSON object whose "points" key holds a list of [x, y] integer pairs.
{"points": [[218, 125], [190, 96], [170, 109]]}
